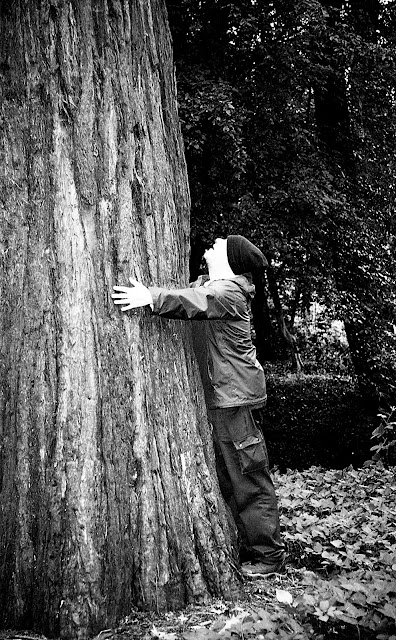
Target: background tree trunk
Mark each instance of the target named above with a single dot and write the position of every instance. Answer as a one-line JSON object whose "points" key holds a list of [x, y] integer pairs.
{"points": [[335, 133], [107, 491], [287, 337]]}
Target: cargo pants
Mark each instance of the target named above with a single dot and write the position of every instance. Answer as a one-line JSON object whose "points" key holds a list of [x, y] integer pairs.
{"points": [[246, 484]]}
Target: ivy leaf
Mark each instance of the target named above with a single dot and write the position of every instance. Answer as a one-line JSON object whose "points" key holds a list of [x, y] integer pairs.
{"points": [[265, 621], [309, 599], [337, 543], [324, 605], [388, 610], [359, 598]]}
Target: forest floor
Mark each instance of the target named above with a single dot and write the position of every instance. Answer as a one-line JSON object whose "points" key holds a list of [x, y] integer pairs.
{"points": [[340, 583], [340, 529]]}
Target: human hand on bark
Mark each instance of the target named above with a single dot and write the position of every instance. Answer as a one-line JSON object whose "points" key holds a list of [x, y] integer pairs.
{"points": [[136, 296]]}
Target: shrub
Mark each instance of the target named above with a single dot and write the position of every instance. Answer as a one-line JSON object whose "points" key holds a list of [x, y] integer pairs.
{"points": [[316, 420]]}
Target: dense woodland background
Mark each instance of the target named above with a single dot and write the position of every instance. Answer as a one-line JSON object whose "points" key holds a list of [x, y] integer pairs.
{"points": [[108, 495], [288, 117]]}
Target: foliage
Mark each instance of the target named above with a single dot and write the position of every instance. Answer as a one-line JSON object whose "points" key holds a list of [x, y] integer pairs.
{"points": [[385, 434], [343, 524], [322, 344], [340, 527], [307, 417], [324, 353], [325, 514], [289, 118]]}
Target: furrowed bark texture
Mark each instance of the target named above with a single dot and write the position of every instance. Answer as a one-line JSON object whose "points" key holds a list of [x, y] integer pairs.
{"points": [[108, 497]]}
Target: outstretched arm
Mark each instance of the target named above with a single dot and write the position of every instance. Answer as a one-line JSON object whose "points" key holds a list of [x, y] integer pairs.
{"points": [[201, 303]]}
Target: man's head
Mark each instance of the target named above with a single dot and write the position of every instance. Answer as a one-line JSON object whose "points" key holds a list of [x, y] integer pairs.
{"points": [[234, 255]]}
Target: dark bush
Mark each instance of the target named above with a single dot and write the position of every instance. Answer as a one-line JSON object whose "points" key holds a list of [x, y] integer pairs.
{"points": [[316, 420]]}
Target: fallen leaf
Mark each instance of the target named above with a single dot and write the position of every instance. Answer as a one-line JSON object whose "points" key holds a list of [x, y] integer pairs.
{"points": [[162, 635], [284, 596], [336, 543]]}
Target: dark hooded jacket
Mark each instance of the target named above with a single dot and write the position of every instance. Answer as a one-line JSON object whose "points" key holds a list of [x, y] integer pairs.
{"points": [[230, 371]]}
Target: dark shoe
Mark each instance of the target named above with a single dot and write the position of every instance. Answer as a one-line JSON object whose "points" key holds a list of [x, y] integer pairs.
{"points": [[261, 570], [246, 556]]}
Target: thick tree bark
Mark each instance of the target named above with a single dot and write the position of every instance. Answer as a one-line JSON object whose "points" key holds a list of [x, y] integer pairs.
{"points": [[108, 495]]}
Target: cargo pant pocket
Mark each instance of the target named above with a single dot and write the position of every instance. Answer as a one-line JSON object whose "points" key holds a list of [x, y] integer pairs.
{"points": [[252, 453]]}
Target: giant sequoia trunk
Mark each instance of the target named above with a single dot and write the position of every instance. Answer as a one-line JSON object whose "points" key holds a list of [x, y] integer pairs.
{"points": [[108, 497]]}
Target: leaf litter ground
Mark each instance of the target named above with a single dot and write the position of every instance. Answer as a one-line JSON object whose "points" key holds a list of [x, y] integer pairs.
{"points": [[340, 529]]}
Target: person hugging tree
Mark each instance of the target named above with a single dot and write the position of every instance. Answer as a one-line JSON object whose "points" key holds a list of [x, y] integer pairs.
{"points": [[218, 306]]}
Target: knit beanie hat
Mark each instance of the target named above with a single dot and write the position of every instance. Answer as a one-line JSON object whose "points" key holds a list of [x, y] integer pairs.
{"points": [[243, 256]]}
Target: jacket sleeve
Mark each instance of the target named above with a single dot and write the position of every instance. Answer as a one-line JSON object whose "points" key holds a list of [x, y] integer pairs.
{"points": [[200, 303]]}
